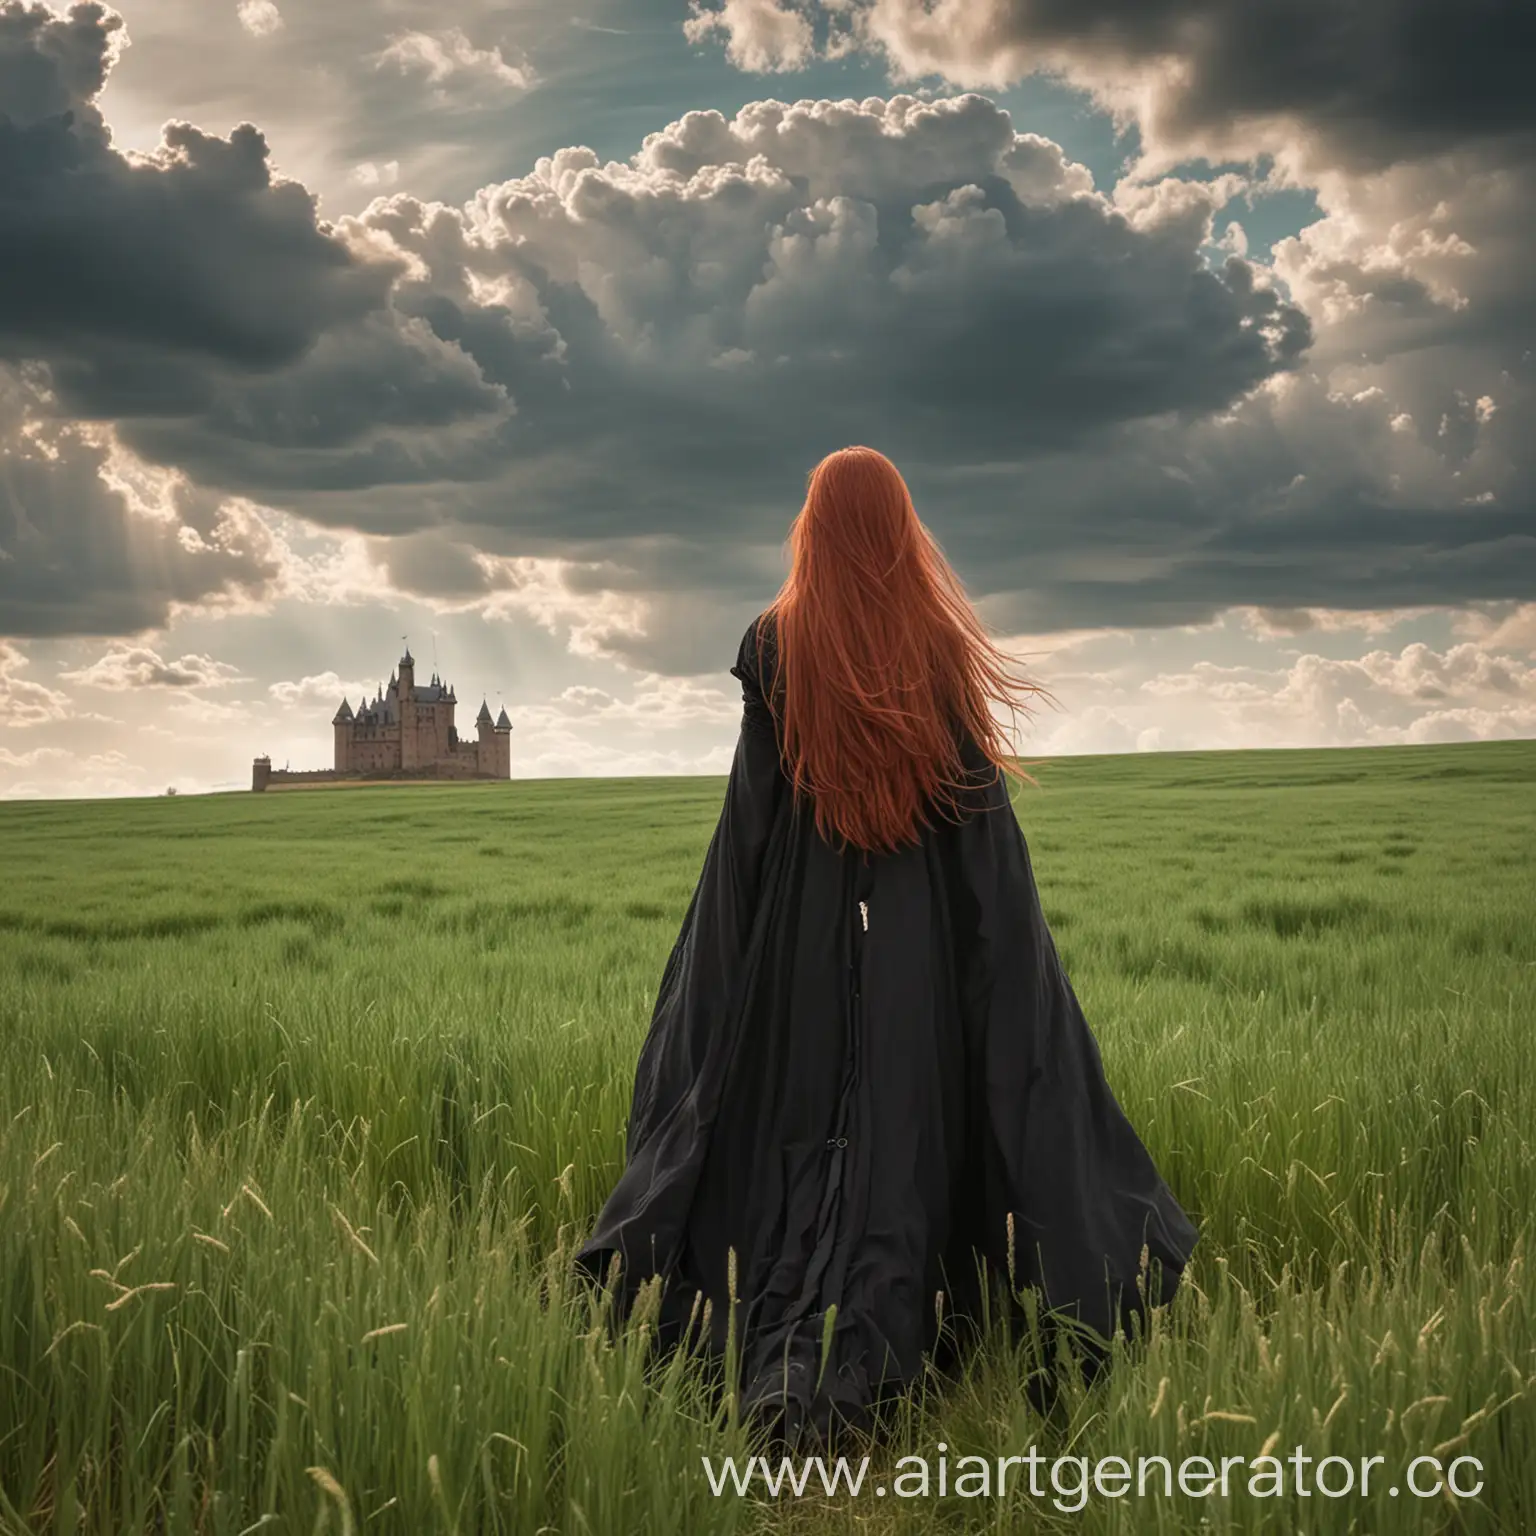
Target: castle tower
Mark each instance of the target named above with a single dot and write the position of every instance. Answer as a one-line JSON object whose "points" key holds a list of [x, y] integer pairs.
{"points": [[503, 745], [485, 730], [410, 748], [342, 724], [261, 773]]}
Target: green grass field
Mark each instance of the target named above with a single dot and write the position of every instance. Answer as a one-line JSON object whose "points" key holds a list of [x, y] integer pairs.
{"points": [[305, 1100]]}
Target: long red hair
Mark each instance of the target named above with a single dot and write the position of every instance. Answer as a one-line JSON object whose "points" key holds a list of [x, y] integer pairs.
{"points": [[879, 656]]}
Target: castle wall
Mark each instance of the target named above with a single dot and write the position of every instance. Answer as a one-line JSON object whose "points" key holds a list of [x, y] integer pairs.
{"points": [[428, 729], [378, 751], [374, 749], [303, 775], [462, 767]]}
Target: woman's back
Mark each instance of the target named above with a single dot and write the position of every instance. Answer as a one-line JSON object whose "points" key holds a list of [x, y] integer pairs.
{"points": [[866, 1070]]}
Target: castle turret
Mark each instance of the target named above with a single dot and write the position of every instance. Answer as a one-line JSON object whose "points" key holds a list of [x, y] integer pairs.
{"points": [[503, 745], [343, 730], [485, 731], [411, 754]]}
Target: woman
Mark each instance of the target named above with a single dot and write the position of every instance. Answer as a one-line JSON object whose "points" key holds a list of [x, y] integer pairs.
{"points": [[868, 1084]]}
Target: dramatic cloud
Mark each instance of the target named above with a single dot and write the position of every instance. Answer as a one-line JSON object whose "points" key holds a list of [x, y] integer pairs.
{"points": [[588, 396], [89, 545], [760, 35], [1122, 702], [111, 267], [1415, 695], [367, 174], [1511, 630], [1395, 467], [657, 704], [23, 702], [56, 771], [260, 18], [450, 57], [322, 689], [192, 282], [690, 330], [828, 266], [125, 667], [1376, 81]]}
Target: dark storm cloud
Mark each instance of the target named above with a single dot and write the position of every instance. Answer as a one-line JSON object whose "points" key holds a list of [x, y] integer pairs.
{"points": [[743, 294], [1298, 499], [633, 365], [427, 563], [77, 559], [202, 255], [192, 286], [1058, 341], [175, 285], [1399, 470], [1353, 553], [383, 401], [1377, 79]]}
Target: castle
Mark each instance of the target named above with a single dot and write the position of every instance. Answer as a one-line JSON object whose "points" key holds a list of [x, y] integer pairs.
{"points": [[407, 732]]}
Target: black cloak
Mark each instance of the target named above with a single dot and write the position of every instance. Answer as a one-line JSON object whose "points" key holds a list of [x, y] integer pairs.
{"points": [[868, 1075]]}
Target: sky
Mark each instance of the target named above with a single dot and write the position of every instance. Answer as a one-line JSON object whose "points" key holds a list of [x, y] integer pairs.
{"points": [[1204, 334]]}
